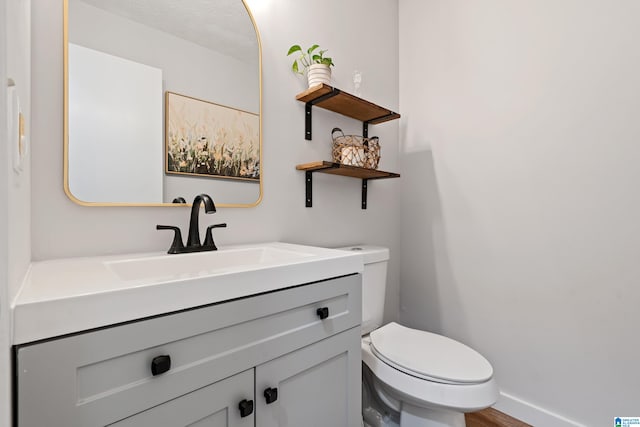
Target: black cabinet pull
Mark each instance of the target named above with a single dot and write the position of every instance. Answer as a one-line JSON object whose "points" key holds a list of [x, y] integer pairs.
{"points": [[323, 312], [246, 408], [271, 395], [160, 365]]}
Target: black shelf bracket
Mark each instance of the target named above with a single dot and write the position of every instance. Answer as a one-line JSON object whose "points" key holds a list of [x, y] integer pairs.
{"points": [[308, 107], [364, 193], [308, 194], [365, 124], [308, 197]]}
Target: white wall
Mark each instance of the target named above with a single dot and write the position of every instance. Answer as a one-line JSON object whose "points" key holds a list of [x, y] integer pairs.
{"points": [[520, 211], [5, 319], [19, 186], [62, 229], [15, 241]]}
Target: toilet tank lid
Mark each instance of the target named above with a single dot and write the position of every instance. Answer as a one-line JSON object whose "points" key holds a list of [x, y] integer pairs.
{"points": [[371, 254]]}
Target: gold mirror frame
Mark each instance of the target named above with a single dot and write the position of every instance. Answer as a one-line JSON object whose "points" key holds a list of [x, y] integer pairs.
{"points": [[66, 125]]}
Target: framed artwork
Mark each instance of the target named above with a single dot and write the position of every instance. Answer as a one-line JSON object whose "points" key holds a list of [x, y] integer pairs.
{"points": [[210, 140]]}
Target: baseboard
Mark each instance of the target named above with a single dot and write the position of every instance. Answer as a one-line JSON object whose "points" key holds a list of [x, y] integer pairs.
{"points": [[532, 414]]}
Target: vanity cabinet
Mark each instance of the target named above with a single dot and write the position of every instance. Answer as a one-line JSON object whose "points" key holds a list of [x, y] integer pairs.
{"points": [[300, 344]]}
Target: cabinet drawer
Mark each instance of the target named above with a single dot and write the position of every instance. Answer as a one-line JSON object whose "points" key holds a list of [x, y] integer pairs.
{"points": [[99, 377]]}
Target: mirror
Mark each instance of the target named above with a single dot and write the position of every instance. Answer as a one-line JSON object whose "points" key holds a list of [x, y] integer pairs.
{"points": [[162, 102]]}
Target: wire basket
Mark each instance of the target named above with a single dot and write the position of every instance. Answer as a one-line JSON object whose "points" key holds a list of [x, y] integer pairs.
{"points": [[355, 150]]}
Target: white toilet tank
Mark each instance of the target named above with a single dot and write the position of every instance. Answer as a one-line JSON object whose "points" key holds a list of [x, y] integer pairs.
{"points": [[374, 284]]}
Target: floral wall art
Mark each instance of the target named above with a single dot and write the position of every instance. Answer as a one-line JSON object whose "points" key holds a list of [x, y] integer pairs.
{"points": [[210, 140]]}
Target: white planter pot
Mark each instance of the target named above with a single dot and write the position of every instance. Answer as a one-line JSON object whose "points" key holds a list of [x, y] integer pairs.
{"points": [[319, 73]]}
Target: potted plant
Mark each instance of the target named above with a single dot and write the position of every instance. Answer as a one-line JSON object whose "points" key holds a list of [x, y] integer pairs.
{"points": [[313, 61]]}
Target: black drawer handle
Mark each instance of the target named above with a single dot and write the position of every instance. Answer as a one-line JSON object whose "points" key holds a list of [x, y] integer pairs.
{"points": [[323, 312], [160, 365], [246, 408], [271, 395]]}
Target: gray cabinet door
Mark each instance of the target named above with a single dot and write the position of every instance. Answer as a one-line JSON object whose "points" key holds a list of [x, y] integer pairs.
{"points": [[212, 406], [318, 385]]}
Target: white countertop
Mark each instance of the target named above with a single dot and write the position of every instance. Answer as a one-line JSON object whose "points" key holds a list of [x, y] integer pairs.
{"points": [[64, 296]]}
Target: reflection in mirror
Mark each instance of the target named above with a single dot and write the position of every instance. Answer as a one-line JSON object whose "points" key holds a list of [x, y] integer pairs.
{"points": [[124, 61]]}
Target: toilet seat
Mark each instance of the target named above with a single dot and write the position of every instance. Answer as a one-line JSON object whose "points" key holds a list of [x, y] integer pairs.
{"points": [[417, 391], [429, 356]]}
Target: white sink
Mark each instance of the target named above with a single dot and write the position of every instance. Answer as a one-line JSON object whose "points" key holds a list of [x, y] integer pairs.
{"points": [[60, 297], [203, 263]]}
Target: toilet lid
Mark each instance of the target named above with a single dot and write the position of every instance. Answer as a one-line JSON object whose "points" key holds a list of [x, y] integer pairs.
{"points": [[429, 356]]}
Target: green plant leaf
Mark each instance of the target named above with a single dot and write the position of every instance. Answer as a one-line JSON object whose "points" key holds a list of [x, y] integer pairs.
{"points": [[294, 48], [306, 59]]}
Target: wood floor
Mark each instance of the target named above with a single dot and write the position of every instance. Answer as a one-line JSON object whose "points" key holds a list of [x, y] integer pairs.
{"points": [[492, 418]]}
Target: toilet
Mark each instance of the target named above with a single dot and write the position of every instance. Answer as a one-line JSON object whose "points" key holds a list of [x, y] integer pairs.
{"points": [[414, 378]]}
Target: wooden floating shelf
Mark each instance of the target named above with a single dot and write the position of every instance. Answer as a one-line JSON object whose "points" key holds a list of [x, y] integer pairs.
{"points": [[333, 99], [345, 170], [348, 105], [333, 168]]}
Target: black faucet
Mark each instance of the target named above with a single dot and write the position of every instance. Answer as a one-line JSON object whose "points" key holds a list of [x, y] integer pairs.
{"points": [[193, 239]]}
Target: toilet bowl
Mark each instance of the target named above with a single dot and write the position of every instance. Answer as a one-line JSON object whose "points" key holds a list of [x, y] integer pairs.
{"points": [[428, 379]]}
